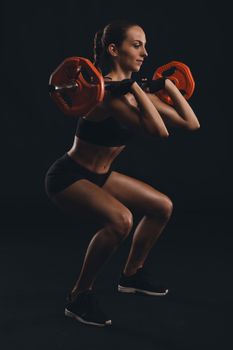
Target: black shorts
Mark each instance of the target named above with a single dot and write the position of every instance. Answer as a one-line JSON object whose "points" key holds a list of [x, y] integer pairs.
{"points": [[65, 171]]}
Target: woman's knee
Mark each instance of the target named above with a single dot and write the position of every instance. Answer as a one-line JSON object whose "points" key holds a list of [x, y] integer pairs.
{"points": [[121, 224], [165, 208]]}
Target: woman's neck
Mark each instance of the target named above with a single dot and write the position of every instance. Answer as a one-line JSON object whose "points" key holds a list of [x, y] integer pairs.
{"points": [[118, 75]]}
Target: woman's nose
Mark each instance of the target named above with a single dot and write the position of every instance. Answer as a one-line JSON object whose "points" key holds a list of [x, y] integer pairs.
{"points": [[144, 53]]}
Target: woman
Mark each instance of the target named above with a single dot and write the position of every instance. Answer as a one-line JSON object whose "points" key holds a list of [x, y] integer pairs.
{"points": [[82, 183]]}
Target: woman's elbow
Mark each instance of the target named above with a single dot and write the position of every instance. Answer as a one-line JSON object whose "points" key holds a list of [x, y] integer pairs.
{"points": [[160, 133], [164, 134], [193, 127]]}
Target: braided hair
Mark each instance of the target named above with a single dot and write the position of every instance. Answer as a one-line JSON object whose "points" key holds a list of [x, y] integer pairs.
{"points": [[114, 32]]}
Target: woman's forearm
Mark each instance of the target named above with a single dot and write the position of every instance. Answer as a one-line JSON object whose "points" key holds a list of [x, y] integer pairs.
{"points": [[151, 118], [181, 105]]}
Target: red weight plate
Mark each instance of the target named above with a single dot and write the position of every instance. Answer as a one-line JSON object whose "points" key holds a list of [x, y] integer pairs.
{"points": [[87, 93], [181, 76]]}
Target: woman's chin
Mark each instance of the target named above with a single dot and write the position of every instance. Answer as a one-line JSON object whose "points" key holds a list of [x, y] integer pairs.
{"points": [[136, 69]]}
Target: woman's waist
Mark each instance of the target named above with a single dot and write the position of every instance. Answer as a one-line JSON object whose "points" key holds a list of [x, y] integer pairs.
{"points": [[99, 165]]}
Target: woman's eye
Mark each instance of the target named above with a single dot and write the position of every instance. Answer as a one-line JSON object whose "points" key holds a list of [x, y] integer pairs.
{"points": [[136, 45]]}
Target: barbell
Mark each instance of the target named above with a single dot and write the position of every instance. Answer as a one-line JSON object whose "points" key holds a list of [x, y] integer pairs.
{"points": [[76, 85]]}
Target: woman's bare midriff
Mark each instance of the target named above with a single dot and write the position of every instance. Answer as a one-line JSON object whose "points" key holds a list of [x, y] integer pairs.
{"points": [[96, 158]]}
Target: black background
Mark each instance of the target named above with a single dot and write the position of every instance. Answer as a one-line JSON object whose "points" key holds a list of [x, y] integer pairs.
{"points": [[192, 168]]}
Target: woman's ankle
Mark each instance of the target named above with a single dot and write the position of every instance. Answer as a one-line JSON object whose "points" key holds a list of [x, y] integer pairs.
{"points": [[75, 293], [131, 271]]}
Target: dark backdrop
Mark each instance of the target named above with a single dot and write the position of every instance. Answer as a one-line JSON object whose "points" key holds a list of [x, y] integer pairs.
{"points": [[193, 168]]}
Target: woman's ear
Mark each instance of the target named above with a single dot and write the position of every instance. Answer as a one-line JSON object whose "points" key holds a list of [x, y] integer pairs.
{"points": [[112, 50]]}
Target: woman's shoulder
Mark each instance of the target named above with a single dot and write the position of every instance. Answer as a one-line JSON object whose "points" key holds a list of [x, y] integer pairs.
{"points": [[100, 111]]}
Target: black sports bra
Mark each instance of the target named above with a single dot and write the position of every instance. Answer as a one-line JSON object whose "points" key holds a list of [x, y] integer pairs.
{"points": [[108, 132]]}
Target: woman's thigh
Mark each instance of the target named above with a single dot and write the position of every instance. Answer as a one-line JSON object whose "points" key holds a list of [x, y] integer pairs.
{"points": [[87, 201], [137, 195]]}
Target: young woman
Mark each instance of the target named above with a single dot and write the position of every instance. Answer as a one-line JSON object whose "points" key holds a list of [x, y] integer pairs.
{"points": [[82, 183]]}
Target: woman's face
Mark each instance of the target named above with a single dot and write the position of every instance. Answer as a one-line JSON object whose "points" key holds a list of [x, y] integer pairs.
{"points": [[131, 53]]}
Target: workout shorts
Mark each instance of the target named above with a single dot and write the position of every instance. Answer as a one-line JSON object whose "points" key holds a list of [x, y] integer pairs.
{"points": [[65, 171]]}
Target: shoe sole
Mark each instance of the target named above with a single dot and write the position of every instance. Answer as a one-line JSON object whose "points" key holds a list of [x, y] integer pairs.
{"points": [[80, 319], [134, 290]]}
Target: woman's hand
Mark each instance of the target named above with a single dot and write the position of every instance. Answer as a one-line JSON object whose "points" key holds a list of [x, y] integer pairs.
{"points": [[169, 83]]}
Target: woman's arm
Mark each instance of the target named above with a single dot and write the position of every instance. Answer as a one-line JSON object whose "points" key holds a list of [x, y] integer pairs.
{"points": [[181, 115], [144, 117], [151, 119]]}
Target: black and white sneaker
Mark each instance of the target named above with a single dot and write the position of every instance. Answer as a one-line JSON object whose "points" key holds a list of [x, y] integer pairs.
{"points": [[85, 309], [139, 283]]}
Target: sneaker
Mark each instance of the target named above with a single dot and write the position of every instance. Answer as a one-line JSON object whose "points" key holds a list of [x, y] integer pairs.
{"points": [[139, 283], [85, 309]]}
